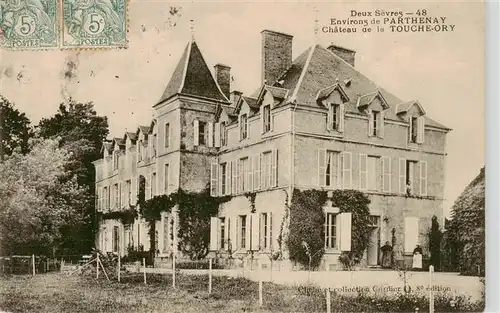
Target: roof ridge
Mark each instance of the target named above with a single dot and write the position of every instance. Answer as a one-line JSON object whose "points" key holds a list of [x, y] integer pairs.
{"points": [[303, 73], [184, 70]]}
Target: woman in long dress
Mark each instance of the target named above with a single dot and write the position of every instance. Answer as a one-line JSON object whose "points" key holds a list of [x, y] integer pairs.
{"points": [[386, 255], [417, 258]]}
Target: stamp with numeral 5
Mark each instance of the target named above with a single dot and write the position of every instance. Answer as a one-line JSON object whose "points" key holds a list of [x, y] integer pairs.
{"points": [[94, 23], [28, 24]]}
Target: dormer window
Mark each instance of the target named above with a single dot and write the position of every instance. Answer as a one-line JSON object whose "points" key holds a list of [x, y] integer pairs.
{"points": [[201, 133], [335, 120], [416, 131], [413, 129], [243, 126], [266, 111], [139, 151], [223, 134], [116, 160], [376, 123]]}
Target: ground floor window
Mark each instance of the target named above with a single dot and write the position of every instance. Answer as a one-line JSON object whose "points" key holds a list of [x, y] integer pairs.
{"points": [[243, 231], [330, 231], [222, 232], [116, 238]]}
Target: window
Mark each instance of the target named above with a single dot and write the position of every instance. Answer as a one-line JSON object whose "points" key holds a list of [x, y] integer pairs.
{"points": [[153, 146], [243, 126], [129, 191], [406, 176], [266, 169], [332, 168], [116, 239], [117, 196], [413, 129], [267, 118], [167, 177], [335, 119], [223, 174], [223, 134], [167, 135], [222, 232], [243, 231], [105, 198], [153, 185], [265, 230], [373, 173], [330, 231], [116, 160], [375, 120], [410, 170], [139, 151], [166, 233], [243, 175], [201, 133]]}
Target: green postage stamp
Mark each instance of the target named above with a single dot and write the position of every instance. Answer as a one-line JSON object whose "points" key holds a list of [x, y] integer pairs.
{"points": [[93, 23], [28, 24]]}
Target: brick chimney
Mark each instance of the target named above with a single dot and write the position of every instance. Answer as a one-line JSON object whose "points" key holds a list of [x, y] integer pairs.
{"points": [[223, 78], [345, 54], [276, 55]]}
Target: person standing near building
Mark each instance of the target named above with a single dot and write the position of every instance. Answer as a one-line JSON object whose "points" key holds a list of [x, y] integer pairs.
{"points": [[417, 258], [386, 255]]}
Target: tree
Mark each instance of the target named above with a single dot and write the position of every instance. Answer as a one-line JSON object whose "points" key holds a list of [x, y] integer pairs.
{"points": [[39, 198], [82, 132], [15, 129], [435, 236]]}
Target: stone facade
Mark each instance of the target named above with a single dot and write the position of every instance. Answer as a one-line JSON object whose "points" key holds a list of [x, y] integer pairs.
{"points": [[321, 125]]}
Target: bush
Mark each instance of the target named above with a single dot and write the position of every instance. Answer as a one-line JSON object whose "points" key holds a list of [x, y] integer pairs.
{"points": [[435, 236]]}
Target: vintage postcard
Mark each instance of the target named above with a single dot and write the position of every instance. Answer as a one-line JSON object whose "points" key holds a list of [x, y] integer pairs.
{"points": [[254, 156]]}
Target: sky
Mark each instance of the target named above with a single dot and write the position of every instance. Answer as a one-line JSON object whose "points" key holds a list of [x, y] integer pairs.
{"points": [[443, 71]]}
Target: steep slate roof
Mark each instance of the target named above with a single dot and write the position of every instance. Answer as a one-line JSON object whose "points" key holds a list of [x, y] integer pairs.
{"points": [[193, 77], [132, 136], [317, 68]]}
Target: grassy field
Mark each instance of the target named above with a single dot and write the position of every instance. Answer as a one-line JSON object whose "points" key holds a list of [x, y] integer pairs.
{"points": [[57, 292]]}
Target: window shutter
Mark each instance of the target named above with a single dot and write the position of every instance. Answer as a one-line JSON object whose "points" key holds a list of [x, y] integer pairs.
{"points": [[329, 117], [228, 177], [415, 182], [370, 123], [234, 168], [210, 126], [341, 117], [214, 233], [274, 168], [213, 179], [346, 170], [261, 231], [255, 231], [262, 172], [248, 232], [270, 230], [420, 132], [217, 135], [345, 231], [363, 171], [250, 173], [402, 175], [219, 180], [321, 167], [423, 178], [381, 124], [256, 172], [262, 120], [196, 131], [386, 178], [238, 176]]}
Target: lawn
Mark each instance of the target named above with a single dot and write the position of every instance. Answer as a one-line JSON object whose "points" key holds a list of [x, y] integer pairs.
{"points": [[57, 292]]}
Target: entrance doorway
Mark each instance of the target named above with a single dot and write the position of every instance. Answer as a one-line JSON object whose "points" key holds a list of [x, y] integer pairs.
{"points": [[373, 249]]}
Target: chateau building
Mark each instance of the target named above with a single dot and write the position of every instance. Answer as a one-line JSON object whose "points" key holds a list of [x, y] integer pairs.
{"points": [[315, 122]]}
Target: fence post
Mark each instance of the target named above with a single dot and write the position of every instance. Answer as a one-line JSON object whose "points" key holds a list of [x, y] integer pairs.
{"points": [[119, 266], [144, 269], [98, 264], [328, 301], [259, 273], [431, 293], [33, 263], [210, 275]]}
